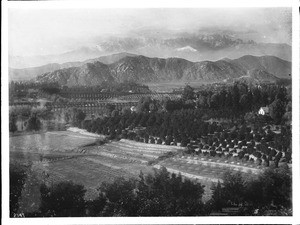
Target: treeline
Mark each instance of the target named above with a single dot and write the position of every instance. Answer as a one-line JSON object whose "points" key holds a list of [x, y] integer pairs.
{"points": [[30, 118], [111, 87], [162, 194], [229, 101], [242, 98], [25, 85], [35, 119], [22, 89]]}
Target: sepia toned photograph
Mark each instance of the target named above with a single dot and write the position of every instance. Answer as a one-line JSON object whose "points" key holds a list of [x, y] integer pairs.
{"points": [[149, 112]]}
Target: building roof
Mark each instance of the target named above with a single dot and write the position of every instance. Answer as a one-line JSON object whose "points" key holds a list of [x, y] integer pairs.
{"points": [[266, 109]]}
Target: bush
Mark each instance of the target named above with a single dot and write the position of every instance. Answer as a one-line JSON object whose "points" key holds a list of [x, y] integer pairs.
{"points": [[62, 200], [158, 194], [17, 177]]}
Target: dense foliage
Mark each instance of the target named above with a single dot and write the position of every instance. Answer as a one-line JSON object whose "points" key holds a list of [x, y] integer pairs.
{"points": [[164, 194], [17, 177], [242, 98], [35, 119], [272, 189], [158, 194], [62, 199]]}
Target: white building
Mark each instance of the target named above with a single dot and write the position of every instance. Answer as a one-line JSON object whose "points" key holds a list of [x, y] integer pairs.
{"points": [[264, 111]]}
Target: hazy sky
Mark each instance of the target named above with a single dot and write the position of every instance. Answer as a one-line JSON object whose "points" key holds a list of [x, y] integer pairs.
{"points": [[41, 31]]}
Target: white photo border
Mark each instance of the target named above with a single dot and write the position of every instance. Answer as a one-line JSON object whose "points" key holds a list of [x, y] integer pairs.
{"points": [[150, 4]]}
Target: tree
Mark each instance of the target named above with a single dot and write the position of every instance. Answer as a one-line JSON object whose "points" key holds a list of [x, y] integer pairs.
{"points": [[115, 113], [245, 103], [218, 198], [152, 106], [256, 98], [34, 123], [234, 187], [188, 93], [126, 111], [214, 101], [229, 100], [79, 117], [273, 187], [120, 197], [236, 98], [276, 186], [109, 108], [62, 199], [143, 104], [277, 110], [17, 177], [201, 102], [96, 206], [282, 94], [165, 194], [12, 123], [156, 194]]}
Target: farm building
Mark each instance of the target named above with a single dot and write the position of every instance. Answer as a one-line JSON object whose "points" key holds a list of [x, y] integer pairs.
{"points": [[264, 111]]}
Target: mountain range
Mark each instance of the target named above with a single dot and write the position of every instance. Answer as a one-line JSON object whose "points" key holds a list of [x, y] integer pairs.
{"points": [[138, 68], [194, 47]]}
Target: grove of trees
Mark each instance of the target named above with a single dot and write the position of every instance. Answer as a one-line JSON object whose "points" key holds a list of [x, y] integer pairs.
{"points": [[271, 189]]}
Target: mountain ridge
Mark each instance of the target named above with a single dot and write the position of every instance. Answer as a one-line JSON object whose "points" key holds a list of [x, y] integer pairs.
{"points": [[32, 72], [143, 69]]}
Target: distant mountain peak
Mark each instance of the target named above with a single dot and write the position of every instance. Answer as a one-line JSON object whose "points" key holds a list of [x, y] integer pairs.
{"points": [[187, 48]]}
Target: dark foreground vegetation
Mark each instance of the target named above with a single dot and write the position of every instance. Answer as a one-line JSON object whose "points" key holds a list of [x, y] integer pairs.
{"points": [[162, 194]]}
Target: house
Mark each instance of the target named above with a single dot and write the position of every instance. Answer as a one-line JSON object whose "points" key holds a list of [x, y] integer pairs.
{"points": [[264, 111], [133, 109]]}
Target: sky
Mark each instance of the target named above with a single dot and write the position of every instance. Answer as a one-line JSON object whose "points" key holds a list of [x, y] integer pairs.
{"points": [[54, 31]]}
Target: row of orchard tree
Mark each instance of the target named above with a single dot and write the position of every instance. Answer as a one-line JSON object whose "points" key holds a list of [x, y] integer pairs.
{"points": [[187, 125], [161, 194], [180, 124]]}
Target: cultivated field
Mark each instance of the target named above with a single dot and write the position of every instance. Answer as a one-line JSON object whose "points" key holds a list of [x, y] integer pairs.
{"points": [[127, 158], [92, 165]]}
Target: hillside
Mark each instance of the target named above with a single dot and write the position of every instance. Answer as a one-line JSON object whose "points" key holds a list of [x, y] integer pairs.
{"points": [[276, 66], [143, 69]]}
